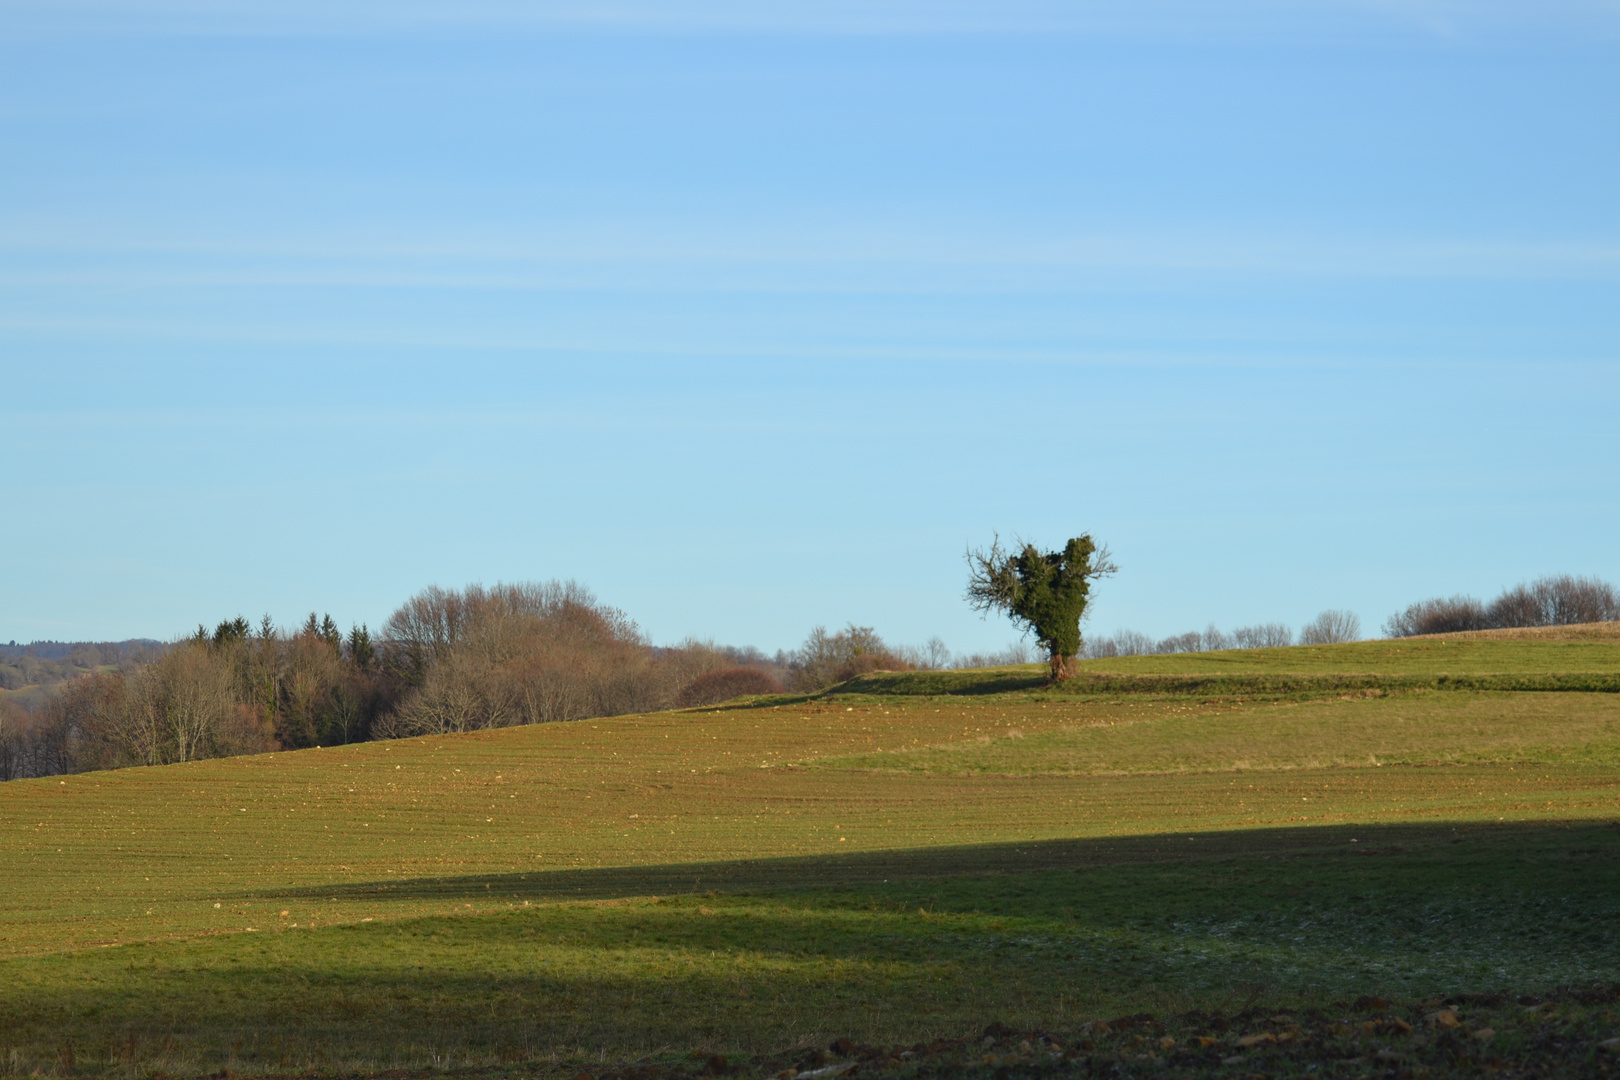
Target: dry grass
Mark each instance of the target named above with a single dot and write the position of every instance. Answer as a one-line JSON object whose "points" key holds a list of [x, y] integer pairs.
{"points": [[1575, 632]]}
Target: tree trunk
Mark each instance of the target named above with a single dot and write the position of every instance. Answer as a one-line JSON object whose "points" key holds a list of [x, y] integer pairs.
{"points": [[1062, 666]]}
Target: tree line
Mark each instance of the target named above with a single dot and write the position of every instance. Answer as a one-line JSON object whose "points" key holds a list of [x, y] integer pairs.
{"points": [[234, 690], [1329, 628], [462, 660], [445, 661], [1557, 600]]}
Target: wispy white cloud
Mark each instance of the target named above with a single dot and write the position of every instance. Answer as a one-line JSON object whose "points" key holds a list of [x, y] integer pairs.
{"points": [[1242, 19], [923, 257]]}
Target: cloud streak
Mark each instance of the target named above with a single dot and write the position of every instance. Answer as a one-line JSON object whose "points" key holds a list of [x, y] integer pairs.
{"points": [[1202, 19], [856, 255]]}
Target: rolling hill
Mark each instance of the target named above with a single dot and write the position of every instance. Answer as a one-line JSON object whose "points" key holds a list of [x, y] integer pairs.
{"points": [[901, 859]]}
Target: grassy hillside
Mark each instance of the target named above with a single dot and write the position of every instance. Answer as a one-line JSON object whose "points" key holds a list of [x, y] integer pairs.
{"points": [[1546, 658], [1421, 728], [1563, 650], [902, 860]]}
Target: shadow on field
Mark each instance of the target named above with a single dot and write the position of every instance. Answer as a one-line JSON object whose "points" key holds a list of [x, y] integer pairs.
{"points": [[1414, 845], [885, 948]]}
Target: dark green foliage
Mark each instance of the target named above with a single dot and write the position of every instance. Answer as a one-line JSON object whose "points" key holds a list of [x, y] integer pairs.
{"points": [[230, 631], [361, 651], [1045, 591], [325, 629]]}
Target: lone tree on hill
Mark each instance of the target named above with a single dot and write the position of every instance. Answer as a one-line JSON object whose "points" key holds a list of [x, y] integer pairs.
{"points": [[1045, 591]]}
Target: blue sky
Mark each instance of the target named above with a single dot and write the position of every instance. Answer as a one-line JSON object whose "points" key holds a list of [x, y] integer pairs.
{"points": [[751, 317]]}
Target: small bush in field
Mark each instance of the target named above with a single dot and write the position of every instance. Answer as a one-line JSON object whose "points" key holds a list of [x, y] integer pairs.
{"points": [[725, 684], [1442, 615], [825, 659]]}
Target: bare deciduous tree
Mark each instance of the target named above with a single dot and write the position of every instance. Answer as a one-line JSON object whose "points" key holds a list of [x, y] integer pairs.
{"points": [[932, 655], [521, 654], [1016, 652], [1438, 616], [1560, 600], [1272, 635], [1331, 628], [181, 708], [12, 726], [1122, 643], [825, 659]]}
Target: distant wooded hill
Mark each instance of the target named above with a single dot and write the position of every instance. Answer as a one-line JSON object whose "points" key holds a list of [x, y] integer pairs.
{"points": [[39, 665]]}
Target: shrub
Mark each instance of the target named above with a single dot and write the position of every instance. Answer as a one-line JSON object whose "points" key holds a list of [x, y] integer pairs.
{"points": [[1439, 616], [1563, 600], [1560, 600], [725, 684], [825, 659]]}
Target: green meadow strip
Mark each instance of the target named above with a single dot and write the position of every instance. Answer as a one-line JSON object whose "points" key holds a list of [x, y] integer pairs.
{"points": [[952, 684]]}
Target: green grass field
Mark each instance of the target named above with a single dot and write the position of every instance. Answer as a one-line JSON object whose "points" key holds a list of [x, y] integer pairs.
{"points": [[898, 862], [1561, 658]]}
